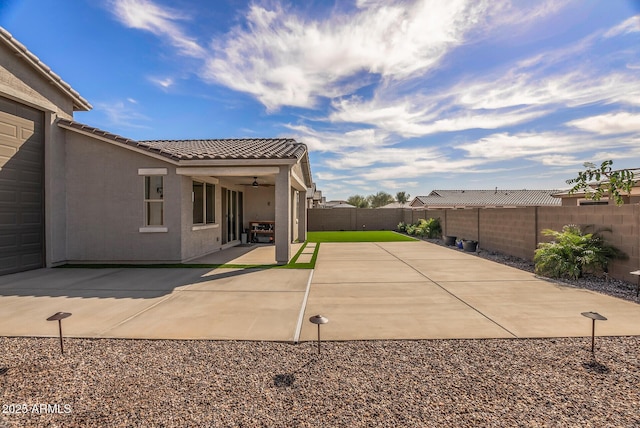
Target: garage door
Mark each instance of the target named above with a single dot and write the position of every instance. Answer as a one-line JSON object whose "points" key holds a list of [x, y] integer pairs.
{"points": [[21, 187]]}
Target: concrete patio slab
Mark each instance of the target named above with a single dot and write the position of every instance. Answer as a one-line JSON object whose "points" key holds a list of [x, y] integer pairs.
{"points": [[350, 271], [250, 254], [360, 251], [201, 314], [391, 290], [358, 311], [155, 303], [470, 269], [541, 308], [478, 298]]}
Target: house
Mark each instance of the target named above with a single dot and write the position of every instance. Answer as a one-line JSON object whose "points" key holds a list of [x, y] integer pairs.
{"points": [[73, 193], [485, 199], [314, 197], [337, 204], [397, 205], [580, 198]]}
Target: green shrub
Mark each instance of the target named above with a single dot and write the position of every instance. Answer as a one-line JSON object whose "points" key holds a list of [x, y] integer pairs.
{"points": [[434, 230], [574, 253], [430, 228]]}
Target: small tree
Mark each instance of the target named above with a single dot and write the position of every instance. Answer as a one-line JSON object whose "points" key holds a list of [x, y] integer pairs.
{"points": [[380, 199], [607, 181], [402, 197], [358, 201]]}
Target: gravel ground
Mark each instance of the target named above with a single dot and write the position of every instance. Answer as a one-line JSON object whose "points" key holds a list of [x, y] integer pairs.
{"points": [[611, 286], [429, 383]]}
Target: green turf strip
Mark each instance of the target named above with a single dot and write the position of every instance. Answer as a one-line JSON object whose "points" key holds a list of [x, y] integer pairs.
{"points": [[357, 236]]}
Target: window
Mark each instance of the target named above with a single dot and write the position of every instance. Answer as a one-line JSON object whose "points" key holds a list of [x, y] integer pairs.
{"points": [[154, 200], [203, 203]]}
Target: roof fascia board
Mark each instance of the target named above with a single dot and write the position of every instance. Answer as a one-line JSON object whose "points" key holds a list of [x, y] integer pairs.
{"points": [[11, 93], [235, 162], [297, 182], [228, 171]]}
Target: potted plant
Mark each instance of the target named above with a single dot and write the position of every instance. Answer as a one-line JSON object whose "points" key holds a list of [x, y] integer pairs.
{"points": [[469, 245]]}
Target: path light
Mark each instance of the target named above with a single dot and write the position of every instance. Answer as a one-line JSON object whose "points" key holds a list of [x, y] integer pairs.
{"points": [[594, 316], [318, 319], [59, 317]]}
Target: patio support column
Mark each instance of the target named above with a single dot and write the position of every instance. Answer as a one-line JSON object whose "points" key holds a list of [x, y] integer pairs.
{"points": [[283, 216], [302, 216]]}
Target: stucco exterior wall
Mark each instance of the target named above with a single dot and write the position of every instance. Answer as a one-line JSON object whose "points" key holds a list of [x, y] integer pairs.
{"points": [[204, 239], [105, 205], [19, 81], [259, 204]]}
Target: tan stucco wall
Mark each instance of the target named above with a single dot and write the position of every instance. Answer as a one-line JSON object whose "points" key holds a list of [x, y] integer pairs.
{"points": [[259, 204], [19, 81], [105, 204], [196, 243]]}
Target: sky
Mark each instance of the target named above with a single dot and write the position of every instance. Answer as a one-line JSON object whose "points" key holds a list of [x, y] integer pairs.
{"points": [[388, 95]]}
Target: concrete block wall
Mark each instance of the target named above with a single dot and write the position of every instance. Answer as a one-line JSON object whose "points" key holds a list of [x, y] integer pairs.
{"points": [[462, 223], [331, 219], [513, 231], [509, 231]]}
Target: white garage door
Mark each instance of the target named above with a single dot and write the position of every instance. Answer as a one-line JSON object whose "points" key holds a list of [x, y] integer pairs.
{"points": [[21, 187]]}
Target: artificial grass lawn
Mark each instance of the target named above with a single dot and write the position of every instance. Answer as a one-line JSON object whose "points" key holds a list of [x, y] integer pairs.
{"points": [[357, 236]]}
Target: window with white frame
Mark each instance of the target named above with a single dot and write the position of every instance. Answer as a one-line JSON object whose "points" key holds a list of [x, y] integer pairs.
{"points": [[154, 200], [203, 203]]}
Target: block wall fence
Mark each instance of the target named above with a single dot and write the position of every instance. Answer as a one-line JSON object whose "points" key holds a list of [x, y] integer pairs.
{"points": [[513, 231]]}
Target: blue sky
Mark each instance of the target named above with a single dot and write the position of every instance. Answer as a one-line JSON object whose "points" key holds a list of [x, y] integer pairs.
{"points": [[388, 95]]}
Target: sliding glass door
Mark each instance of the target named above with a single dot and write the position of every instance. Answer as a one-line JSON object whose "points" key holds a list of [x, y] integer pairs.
{"points": [[232, 211]]}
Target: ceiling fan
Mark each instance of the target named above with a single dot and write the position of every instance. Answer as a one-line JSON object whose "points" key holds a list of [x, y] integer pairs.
{"points": [[256, 184]]}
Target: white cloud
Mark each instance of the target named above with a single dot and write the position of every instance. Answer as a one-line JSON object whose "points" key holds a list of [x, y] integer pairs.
{"points": [[631, 25], [557, 160], [285, 59], [122, 114], [161, 21], [163, 82], [611, 123], [335, 141], [330, 176]]}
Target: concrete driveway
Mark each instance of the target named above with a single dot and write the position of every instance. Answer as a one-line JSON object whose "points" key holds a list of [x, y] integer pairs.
{"points": [[393, 290]]}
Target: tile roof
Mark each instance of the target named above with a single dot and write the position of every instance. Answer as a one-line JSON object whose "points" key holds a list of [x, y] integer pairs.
{"points": [[263, 148], [79, 103], [243, 148], [488, 198]]}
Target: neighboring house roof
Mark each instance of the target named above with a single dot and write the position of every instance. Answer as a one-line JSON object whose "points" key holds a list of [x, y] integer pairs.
{"points": [[486, 198], [79, 103], [338, 204], [397, 205], [218, 149]]}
